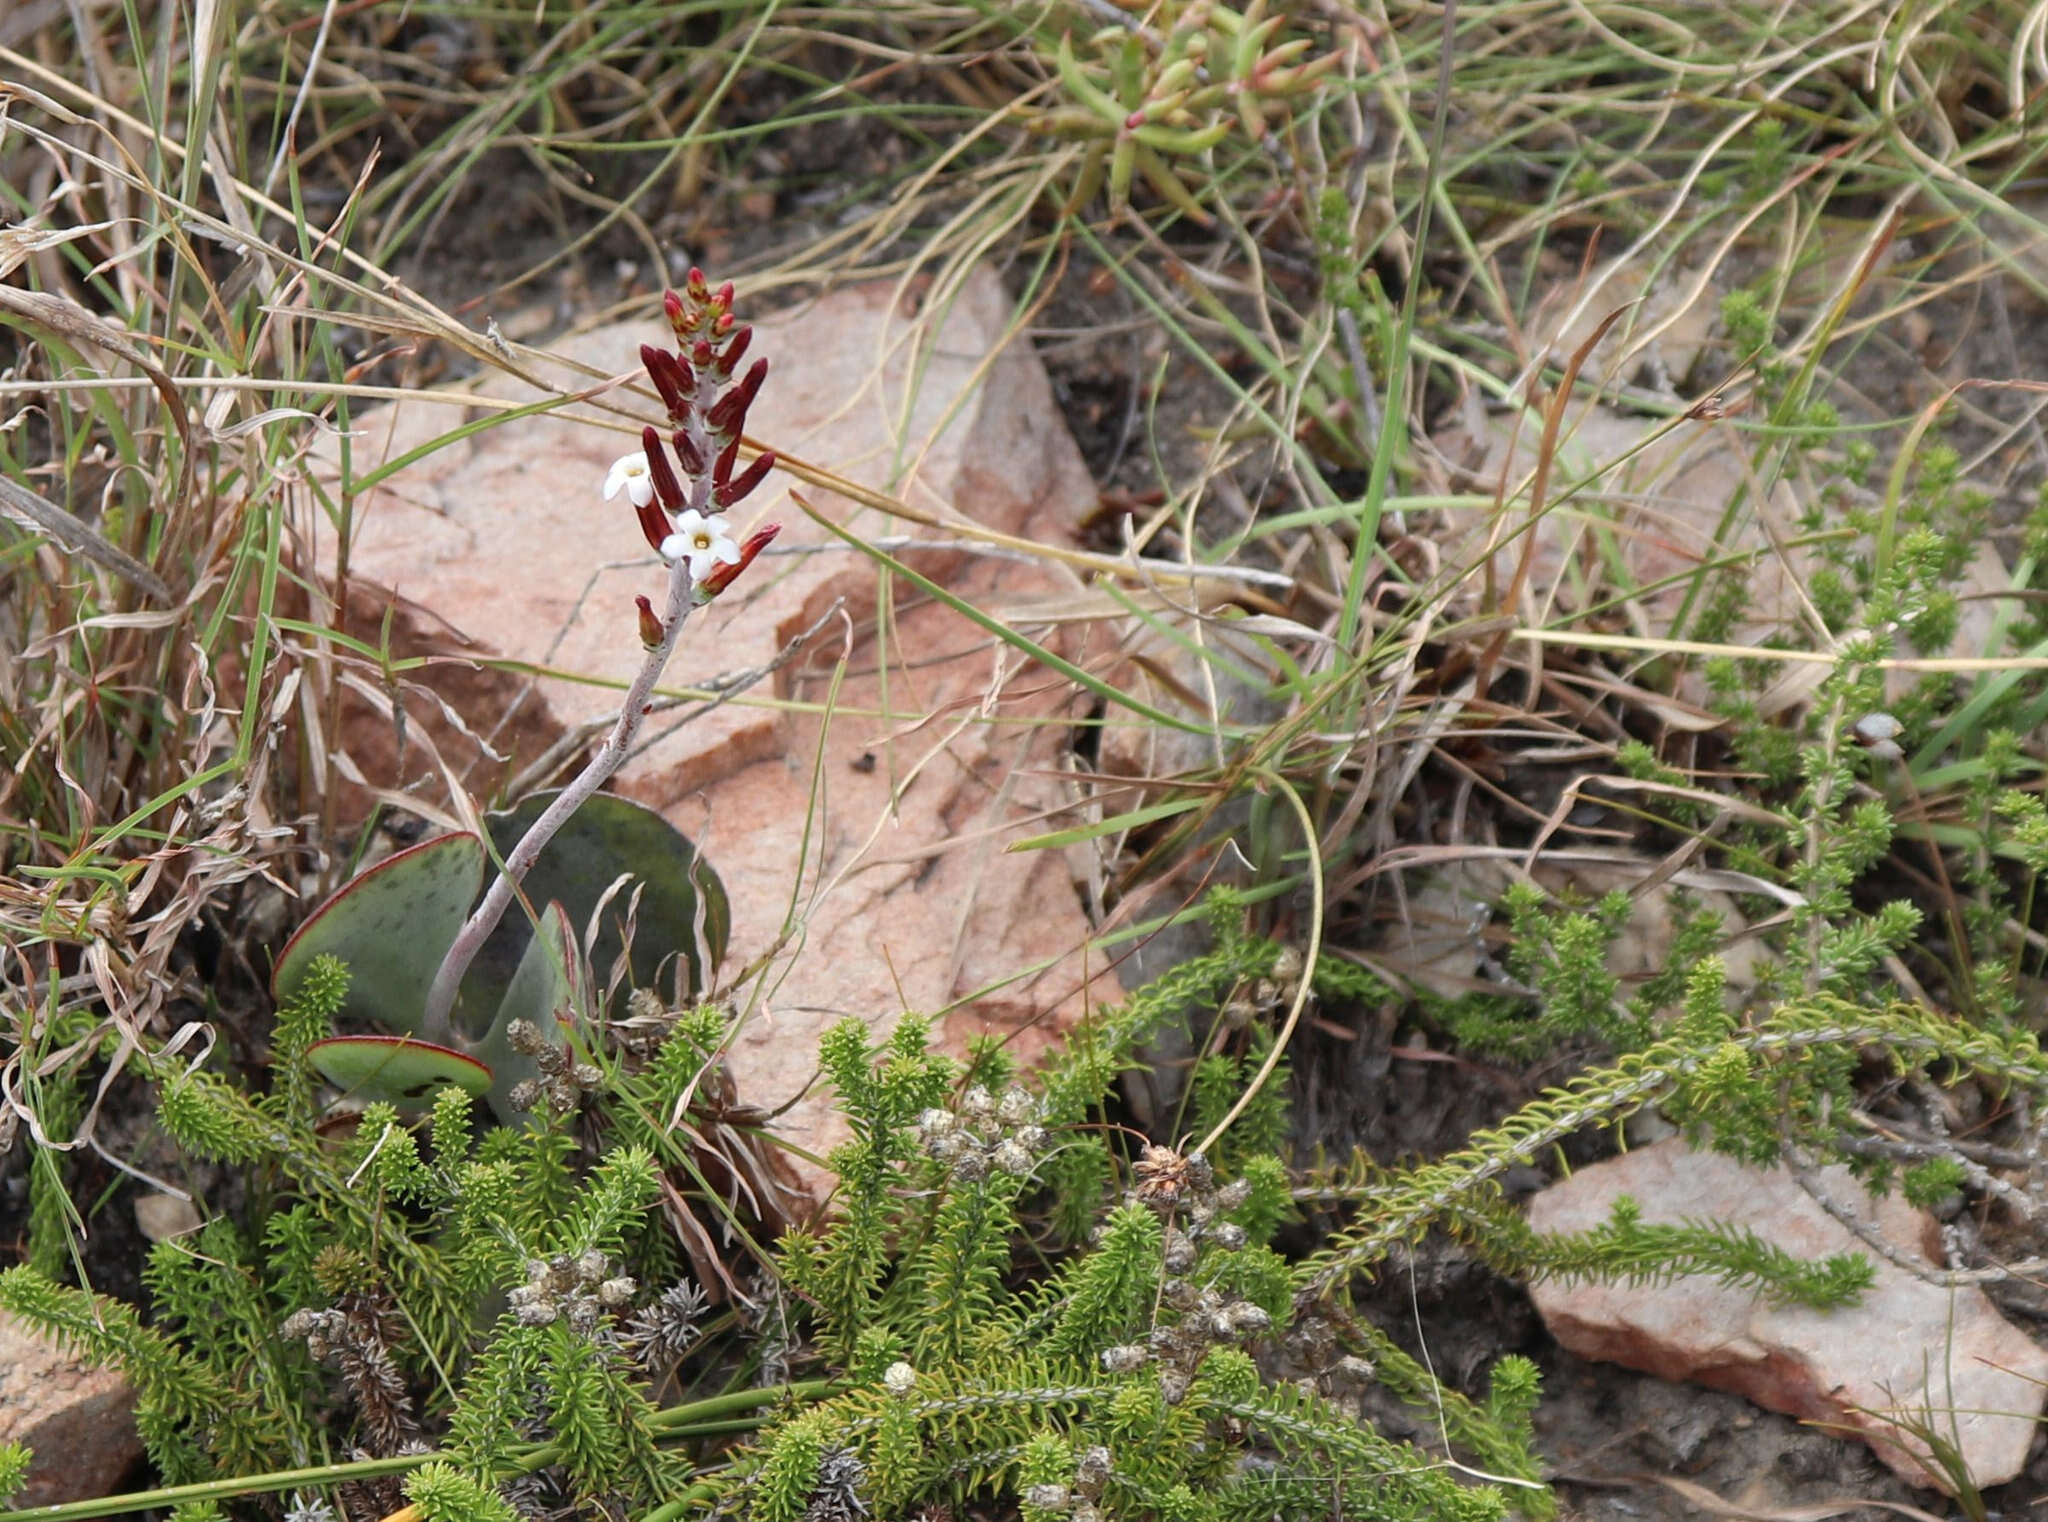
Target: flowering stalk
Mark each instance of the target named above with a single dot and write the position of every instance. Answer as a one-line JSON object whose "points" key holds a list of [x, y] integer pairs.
{"points": [[687, 527]]}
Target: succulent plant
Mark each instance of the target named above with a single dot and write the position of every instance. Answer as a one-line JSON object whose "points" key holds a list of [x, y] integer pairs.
{"points": [[461, 991], [393, 924], [1143, 96]]}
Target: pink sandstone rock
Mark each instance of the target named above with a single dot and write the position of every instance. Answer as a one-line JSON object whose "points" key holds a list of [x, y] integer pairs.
{"points": [[859, 832], [79, 1421], [1919, 1351]]}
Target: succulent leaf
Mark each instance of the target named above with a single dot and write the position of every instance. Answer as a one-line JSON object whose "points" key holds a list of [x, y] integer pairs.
{"points": [[390, 926], [541, 992], [682, 912], [394, 1069]]}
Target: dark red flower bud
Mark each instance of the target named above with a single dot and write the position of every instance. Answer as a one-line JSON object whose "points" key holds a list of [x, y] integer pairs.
{"points": [[729, 360], [668, 491], [654, 525], [673, 378], [672, 308], [651, 631], [745, 481], [687, 452], [703, 354], [728, 415], [723, 300], [721, 468], [722, 576]]}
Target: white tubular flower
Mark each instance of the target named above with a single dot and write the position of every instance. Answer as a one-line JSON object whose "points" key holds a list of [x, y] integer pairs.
{"points": [[630, 473], [702, 541]]}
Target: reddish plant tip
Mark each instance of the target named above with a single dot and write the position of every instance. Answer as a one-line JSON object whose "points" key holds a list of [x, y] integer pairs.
{"points": [[651, 632], [740, 485], [723, 576], [727, 418], [672, 307], [721, 468], [668, 491], [729, 359], [673, 378]]}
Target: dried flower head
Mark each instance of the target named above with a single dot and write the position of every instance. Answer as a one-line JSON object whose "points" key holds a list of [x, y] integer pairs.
{"points": [[664, 1331]]}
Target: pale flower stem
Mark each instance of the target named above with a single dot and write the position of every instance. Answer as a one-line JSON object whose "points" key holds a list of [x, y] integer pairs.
{"points": [[435, 1025]]}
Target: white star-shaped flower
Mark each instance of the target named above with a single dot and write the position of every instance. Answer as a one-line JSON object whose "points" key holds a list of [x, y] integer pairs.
{"points": [[702, 541], [629, 471]]}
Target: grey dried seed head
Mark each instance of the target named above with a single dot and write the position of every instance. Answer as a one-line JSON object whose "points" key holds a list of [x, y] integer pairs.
{"points": [[1092, 1468], [977, 1103], [1233, 1194], [537, 1313], [1201, 1173], [1032, 1137], [1173, 1385], [591, 1265], [524, 1037], [1047, 1497], [645, 1004], [1016, 1107], [1180, 1294], [1201, 1212], [1012, 1158], [1353, 1369], [1287, 966], [614, 1293], [587, 1075], [309, 1508], [972, 1166], [564, 1095], [1229, 1236], [525, 1094], [1236, 1014], [899, 1378], [1180, 1253], [1249, 1320], [1124, 1358], [936, 1123], [582, 1316], [1087, 1511], [552, 1061]]}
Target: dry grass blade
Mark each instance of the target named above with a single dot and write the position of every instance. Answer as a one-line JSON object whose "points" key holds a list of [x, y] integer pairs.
{"points": [[39, 515]]}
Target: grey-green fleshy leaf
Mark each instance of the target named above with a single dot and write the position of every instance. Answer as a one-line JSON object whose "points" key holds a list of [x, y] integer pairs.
{"points": [[390, 925], [541, 992], [683, 918], [395, 1069]]}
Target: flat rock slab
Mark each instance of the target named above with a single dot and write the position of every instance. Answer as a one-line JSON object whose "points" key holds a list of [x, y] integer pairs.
{"points": [[79, 1421], [1909, 1351], [858, 825]]}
